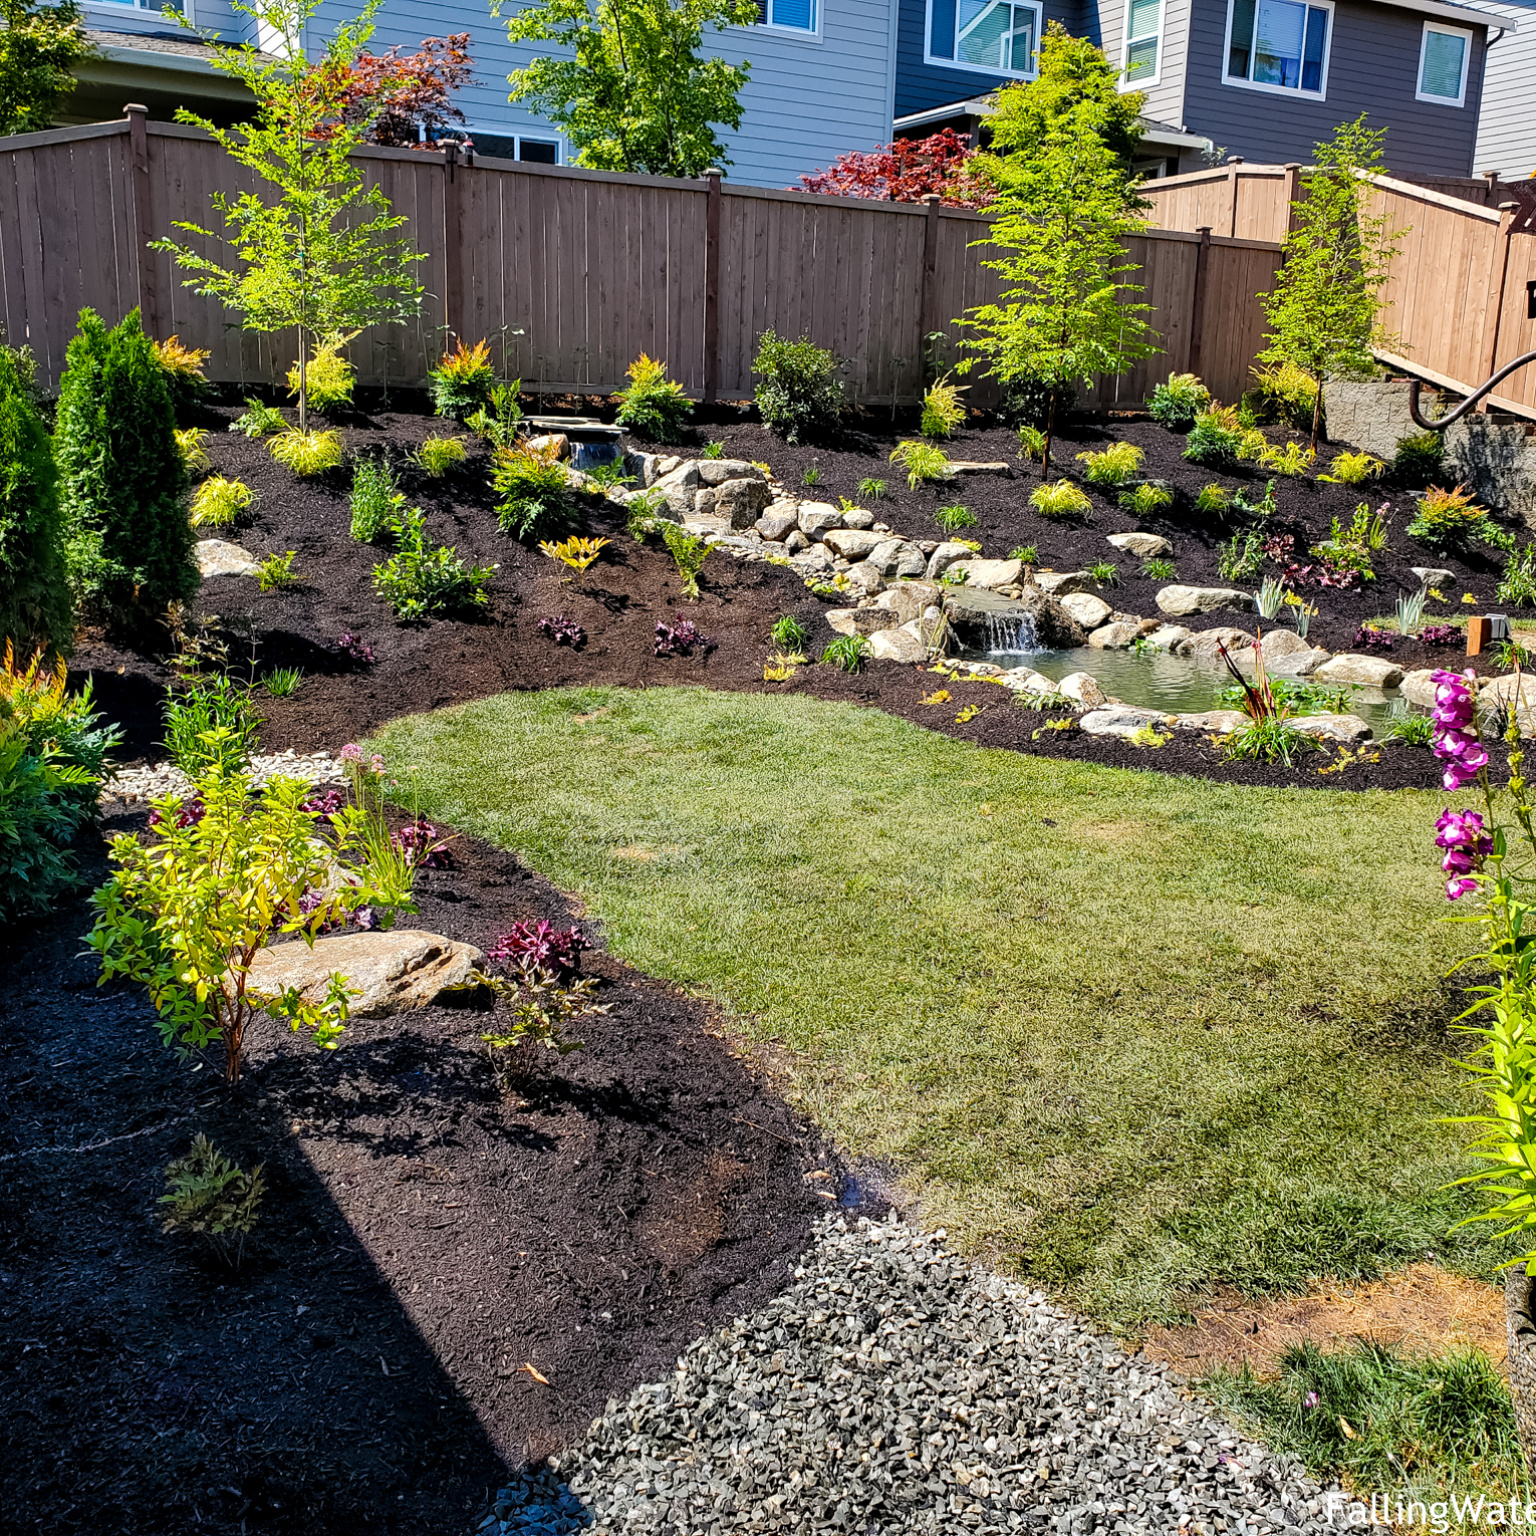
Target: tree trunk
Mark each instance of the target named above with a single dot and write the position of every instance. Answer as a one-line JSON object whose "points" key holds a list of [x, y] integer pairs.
{"points": [[1317, 413], [1519, 1298], [1050, 428], [303, 384]]}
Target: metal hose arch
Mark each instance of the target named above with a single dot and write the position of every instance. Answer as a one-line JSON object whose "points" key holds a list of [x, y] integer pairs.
{"points": [[1466, 405]]}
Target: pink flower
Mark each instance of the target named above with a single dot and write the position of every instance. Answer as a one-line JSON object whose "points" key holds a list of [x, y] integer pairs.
{"points": [[351, 753], [1455, 889]]}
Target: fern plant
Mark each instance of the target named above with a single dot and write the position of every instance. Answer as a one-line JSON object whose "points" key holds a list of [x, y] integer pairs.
{"points": [[688, 554]]}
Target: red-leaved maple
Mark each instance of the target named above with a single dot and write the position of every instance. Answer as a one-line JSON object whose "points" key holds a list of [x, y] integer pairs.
{"points": [[410, 94], [906, 171]]}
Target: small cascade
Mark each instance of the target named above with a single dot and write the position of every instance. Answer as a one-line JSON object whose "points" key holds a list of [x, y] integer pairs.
{"points": [[1011, 634]]}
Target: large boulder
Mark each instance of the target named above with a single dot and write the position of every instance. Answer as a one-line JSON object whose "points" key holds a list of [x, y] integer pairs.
{"points": [[897, 557], [909, 598], [1173, 638], [1062, 583], [1359, 671], [681, 487], [1180, 602], [1217, 721], [1281, 642], [1145, 546], [1110, 637], [1333, 727], [1207, 645], [718, 471], [816, 517], [403, 968], [981, 617], [1088, 610], [865, 578], [896, 645], [852, 543], [742, 501], [1084, 687], [944, 556], [1121, 720], [861, 621], [1297, 663], [779, 521], [857, 517], [218, 557], [1432, 576], [989, 573]]}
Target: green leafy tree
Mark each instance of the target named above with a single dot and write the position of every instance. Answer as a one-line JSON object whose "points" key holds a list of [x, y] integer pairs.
{"points": [[324, 257], [636, 94], [128, 541], [1072, 71], [35, 606], [38, 47], [1063, 212], [1324, 311]]}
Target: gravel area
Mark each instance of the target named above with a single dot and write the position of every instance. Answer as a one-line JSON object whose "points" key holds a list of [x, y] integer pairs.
{"points": [[895, 1388], [157, 779]]}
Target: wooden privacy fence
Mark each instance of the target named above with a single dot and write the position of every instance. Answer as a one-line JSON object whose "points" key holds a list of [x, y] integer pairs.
{"points": [[573, 273], [1460, 298]]}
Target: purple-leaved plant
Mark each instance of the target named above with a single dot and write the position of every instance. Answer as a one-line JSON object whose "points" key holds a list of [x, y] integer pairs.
{"points": [[561, 630], [422, 844], [680, 639], [1373, 639], [540, 946], [355, 649], [1439, 634]]}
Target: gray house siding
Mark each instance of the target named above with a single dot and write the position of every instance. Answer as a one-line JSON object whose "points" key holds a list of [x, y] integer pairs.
{"points": [[1373, 68], [1165, 99], [1506, 133]]}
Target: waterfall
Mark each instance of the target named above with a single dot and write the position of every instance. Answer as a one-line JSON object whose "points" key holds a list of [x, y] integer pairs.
{"points": [[1011, 634]]}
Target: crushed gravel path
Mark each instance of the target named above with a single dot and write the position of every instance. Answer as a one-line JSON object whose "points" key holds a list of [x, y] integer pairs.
{"points": [[895, 1388], [154, 780]]}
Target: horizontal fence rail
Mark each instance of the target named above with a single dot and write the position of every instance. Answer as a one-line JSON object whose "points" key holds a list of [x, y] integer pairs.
{"points": [[1460, 298], [571, 274]]}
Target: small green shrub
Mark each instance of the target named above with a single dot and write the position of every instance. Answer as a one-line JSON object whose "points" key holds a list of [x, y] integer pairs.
{"points": [[943, 410], [811, 476], [422, 579], [210, 1197], [847, 653], [798, 394], [1286, 393], [922, 461], [1146, 499], [1216, 439], [533, 501], [1105, 572], [953, 519], [122, 484], [282, 682], [871, 489], [1026, 399], [376, 502], [437, 455], [1178, 402], [1061, 499], [328, 378], [35, 605], [688, 554], [184, 910], [461, 383], [210, 721], [183, 369], [498, 420], [642, 514], [307, 453], [1113, 466], [1027, 553], [1352, 469], [789, 634], [1448, 520], [1240, 557], [258, 420], [652, 405], [218, 502], [1159, 570], [1213, 500], [714, 450], [1264, 508], [1419, 459], [275, 572], [1517, 586]]}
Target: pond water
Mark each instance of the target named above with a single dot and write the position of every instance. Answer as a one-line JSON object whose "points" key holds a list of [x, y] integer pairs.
{"points": [[1156, 680]]}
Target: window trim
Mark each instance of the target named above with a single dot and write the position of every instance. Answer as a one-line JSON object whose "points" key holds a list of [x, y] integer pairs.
{"points": [[1146, 82], [1037, 6], [1468, 36], [517, 135], [1290, 93], [778, 29]]}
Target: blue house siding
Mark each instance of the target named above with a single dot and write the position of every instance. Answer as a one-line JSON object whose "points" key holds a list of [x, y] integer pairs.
{"points": [[1506, 133], [1373, 68]]}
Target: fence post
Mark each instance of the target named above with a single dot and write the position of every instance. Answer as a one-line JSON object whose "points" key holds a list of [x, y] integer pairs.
{"points": [[142, 214], [1234, 164], [1197, 301], [1498, 276], [712, 285], [453, 255], [1292, 196], [928, 305]]}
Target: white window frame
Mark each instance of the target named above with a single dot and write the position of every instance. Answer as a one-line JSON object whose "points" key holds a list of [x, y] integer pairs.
{"points": [[1145, 82], [517, 135], [1037, 6], [133, 8], [1466, 65], [1290, 94], [779, 29]]}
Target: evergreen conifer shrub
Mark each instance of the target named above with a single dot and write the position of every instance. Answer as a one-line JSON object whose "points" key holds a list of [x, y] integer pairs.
{"points": [[122, 483], [35, 607]]}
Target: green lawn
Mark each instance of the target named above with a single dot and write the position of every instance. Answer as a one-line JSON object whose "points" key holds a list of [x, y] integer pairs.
{"points": [[1131, 1034]]}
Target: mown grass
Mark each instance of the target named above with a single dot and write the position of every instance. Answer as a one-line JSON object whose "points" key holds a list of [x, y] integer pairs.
{"points": [[1132, 1034]]}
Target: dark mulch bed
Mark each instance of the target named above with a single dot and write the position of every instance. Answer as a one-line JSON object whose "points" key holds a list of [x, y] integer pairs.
{"points": [[424, 1238]]}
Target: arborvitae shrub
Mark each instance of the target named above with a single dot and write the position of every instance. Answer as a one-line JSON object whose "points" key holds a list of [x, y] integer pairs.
{"points": [[35, 607], [122, 482]]}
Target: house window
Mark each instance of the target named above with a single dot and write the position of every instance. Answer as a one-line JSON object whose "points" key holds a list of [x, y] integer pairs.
{"points": [[1279, 45], [795, 15], [516, 146], [1143, 31], [996, 37], [1443, 59]]}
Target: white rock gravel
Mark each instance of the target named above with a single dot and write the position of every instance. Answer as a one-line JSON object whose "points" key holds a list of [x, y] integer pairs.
{"points": [[894, 1388], [158, 779]]}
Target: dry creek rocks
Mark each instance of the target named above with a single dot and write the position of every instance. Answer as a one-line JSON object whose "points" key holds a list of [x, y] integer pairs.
{"points": [[1180, 601]]}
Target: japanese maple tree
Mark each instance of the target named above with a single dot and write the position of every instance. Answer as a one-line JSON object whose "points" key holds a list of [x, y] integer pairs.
{"points": [[406, 101], [906, 171]]}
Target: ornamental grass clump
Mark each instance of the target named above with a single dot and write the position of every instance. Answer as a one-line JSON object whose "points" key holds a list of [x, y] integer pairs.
{"points": [[652, 405], [210, 722], [1146, 499], [1061, 500], [1179, 401], [187, 911], [953, 519], [847, 653], [1352, 469], [218, 502], [437, 455], [307, 453], [462, 381], [922, 461], [943, 410], [1112, 466]]}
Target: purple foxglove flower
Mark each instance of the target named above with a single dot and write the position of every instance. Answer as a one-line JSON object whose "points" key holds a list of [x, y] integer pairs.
{"points": [[1456, 863], [1456, 889]]}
